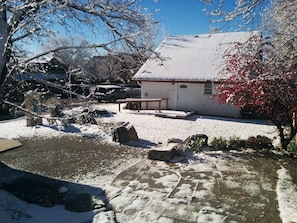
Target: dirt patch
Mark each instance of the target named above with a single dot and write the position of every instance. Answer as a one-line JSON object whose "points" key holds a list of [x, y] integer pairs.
{"points": [[68, 157]]}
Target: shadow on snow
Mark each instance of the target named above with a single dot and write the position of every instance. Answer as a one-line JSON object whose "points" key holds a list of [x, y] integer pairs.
{"points": [[46, 192]]}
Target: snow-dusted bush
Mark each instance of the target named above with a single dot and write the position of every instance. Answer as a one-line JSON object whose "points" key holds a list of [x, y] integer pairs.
{"points": [[196, 142], [259, 142], [235, 143], [219, 143]]}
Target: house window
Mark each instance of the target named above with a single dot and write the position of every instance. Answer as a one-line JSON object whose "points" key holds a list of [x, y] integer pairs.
{"points": [[208, 88], [183, 86]]}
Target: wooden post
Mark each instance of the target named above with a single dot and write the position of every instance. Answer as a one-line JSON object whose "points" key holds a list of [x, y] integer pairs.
{"points": [[29, 107], [33, 104], [39, 109]]}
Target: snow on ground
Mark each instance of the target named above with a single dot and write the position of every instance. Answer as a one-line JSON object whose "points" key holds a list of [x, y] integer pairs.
{"points": [[148, 127], [138, 196], [17, 128], [287, 196]]}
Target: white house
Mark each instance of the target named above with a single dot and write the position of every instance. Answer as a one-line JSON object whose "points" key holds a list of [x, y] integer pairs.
{"points": [[187, 73]]}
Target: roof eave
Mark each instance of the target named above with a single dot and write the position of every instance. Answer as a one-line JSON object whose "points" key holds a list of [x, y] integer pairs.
{"points": [[176, 80]]}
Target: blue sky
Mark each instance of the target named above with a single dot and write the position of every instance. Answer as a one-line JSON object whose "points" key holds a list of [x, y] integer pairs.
{"points": [[181, 17], [176, 17]]}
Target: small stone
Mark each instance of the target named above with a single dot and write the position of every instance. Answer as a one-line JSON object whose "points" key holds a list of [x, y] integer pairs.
{"points": [[63, 190], [83, 202]]}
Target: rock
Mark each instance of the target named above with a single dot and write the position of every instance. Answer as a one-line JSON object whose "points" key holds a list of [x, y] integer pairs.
{"points": [[83, 202], [209, 214], [175, 140], [174, 147], [105, 217], [179, 149], [162, 155], [99, 112], [63, 190], [125, 133], [132, 133], [121, 135]]}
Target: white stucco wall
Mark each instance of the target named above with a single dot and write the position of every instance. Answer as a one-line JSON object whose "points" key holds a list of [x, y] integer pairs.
{"points": [[159, 90], [189, 97]]}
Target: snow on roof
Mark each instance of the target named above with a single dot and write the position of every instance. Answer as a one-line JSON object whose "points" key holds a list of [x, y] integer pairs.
{"points": [[190, 57]]}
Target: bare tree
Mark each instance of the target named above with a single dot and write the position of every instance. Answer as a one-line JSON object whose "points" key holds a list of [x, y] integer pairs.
{"points": [[241, 14], [114, 68], [279, 21], [74, 57], [119, 25]]}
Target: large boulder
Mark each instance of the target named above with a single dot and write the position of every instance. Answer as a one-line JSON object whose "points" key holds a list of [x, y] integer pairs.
{"points": [[174, 147], [161, 155], [125, 133], [132, 133]]}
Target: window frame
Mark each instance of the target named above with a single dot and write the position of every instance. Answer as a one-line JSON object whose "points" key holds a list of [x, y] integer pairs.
{"points": [[184, 86], [208, 88]]}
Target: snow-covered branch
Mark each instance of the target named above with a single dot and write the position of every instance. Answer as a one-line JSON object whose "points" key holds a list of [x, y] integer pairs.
{"points": [[113, 26]]}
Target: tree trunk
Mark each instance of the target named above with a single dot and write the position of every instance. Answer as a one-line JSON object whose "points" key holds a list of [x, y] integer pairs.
{"points": [[3, 42], [286, 139]]}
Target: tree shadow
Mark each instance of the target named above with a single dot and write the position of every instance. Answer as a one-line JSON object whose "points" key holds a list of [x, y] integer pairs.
{"points": [[49, 192], [67, 129], [188, 157], [240, 120], [142, 143]]}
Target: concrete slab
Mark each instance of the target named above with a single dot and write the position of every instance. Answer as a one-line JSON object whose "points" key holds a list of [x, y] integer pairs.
{"points": [[7, 144], [174, 114]]}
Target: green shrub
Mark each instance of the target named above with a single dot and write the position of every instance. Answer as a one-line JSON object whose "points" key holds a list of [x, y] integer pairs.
{"points": [[196, 144], [235, 143], [219, 143], [292, 147], [259, 142]]}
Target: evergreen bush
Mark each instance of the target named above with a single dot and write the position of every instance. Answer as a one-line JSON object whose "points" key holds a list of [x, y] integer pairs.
{"points": [[292, 147], [235, 143], [219, 143]]}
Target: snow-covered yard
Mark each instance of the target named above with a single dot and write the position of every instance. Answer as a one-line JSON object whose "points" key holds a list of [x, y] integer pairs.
{"points": [[211, 186]]}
